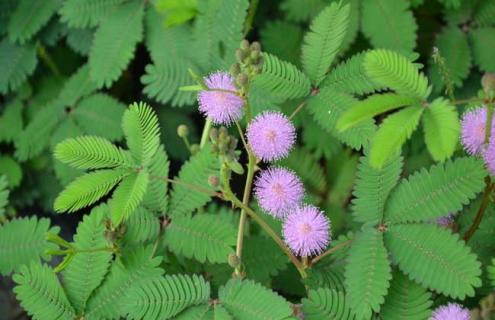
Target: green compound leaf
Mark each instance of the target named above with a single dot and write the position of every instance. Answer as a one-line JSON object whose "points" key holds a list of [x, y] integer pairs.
{"points": [[22, 241], [406, 300], [202, 237], [367, 274], [142, 225], [87, 13], [444, 188], [17, 63], [4, 199], [163, 298], [325, 303], [396, 72], [441, 126], [156, 197], [41, 294], [481, 39], [393, 133], [435, 258], [247, 300], [128, 196], [322, 42], [115, 41]]}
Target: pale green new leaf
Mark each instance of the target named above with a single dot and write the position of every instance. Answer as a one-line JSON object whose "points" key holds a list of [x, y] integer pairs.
{"points": [[86, 270], [392, 70], [29, 17], [41, 294], [128, 196], [444, 188], [163, 298], [22, 241], [372, 189], [202, 237], [371, 107], [435, 258], [17, 63], [393, 133], [389, 24], [141, 226], [92, 152], [325, 303], [367, 274], [87, 13], [247, 300], [406, 300], [115, 41], [281, 79], [87, 189], [441, 126], [142, 132], [185, 199], [322, 42]]}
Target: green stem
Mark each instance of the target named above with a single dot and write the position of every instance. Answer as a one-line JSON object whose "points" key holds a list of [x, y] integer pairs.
{"points": [[481, 211], [47, 59], [250, 16], [205, 134], [330, 251]]}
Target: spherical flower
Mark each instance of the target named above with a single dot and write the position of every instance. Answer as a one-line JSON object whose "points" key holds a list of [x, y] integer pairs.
{"points": [[307, 231], [473, 130], [220, 103], [278, 190], [451, 311], [489, 156], [271, 135]]}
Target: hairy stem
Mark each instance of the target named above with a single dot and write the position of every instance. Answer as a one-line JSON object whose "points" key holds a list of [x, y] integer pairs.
{"points": [[481, 211], [298, 108], [330, 251], [205, 134]]}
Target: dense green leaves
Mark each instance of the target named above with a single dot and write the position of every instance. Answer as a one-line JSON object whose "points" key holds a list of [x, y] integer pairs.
{"points": [[88, 13], [17, 63], [128, 195], [324, 39], [326, 304], [482, 39], [435, 258], [427, 195], [4, 195]]}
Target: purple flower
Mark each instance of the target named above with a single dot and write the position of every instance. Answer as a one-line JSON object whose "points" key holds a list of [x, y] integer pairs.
{"points": [[307, 231], [473, 130], [271, 135], [222, 107], [489, 156], [278, 190], [451, 311]]}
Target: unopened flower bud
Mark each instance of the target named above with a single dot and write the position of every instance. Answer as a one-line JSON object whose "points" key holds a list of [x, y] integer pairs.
{"points": [[214, 134], [488, 83], [235, 69], [213, 181], [234, 260], [242, 79], [182, 131], [240, 55], [195, 148], [244, 44], [255, 46], [254, 55]]}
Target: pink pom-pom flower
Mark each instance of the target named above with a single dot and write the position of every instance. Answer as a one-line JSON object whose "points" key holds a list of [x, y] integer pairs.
{"points": [[271, 136], [278, 190], [451, 311], [220, 103], [307, 231], [473, 130]]}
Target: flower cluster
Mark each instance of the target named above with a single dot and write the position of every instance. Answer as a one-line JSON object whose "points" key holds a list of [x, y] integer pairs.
{"points": [[474, 135], [451, 311]]}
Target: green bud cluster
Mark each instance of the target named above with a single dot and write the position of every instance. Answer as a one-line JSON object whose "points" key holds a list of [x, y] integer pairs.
{"points": [[249, 63]]}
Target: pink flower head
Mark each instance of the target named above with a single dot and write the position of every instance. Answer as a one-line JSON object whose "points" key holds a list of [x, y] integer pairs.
{"points": [[489, 156], [473, 130], [220, 103], [271, 135], [278, 190], [451, 311], [307, 231]]}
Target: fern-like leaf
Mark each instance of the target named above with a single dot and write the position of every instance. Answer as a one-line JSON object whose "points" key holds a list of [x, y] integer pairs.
{"points": [[389, 24], [434, 257], [406, 300], [322, 42], [481, 39], [247, 300], [41, 294], [485, 14], [371, 107], [202, 237], [11, 121], [29, 17], [86, 270], [80, 40], [126, 272], [441, 127], [393, 133], [262, 259], [442, 189], [128, 196], [91, 152], [142, 132], [326, 303], [163, 298], [87, 189], [115, 41], [183, 199], [17, 63], [4, 197], [156, 197], [395, 71], [141, 226], [78, 86], [88, 13], [367, 274], [372, 189], [281, 79], [23, 241]]}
